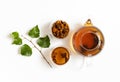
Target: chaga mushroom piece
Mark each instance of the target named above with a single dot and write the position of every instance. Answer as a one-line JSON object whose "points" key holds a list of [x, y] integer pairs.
{"points": [[60, 29]]}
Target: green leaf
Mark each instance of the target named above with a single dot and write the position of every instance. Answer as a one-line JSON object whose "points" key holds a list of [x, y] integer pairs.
{"points": [[26, 50], [34, 32], [44, 42], [15, 35], [17, 41]]}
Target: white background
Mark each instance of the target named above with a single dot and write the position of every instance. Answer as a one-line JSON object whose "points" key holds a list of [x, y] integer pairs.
{"points": [[21, 15]]}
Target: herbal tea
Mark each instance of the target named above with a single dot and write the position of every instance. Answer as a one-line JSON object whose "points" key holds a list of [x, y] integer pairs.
{"points": [[88, 40]]}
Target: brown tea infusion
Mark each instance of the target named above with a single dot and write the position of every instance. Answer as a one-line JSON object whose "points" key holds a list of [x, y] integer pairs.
{"points": [[88, 40], [60, 55]]}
